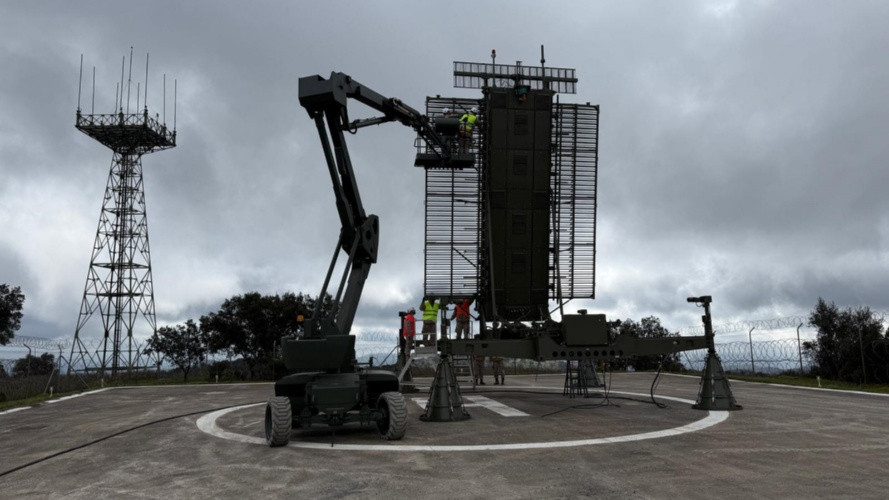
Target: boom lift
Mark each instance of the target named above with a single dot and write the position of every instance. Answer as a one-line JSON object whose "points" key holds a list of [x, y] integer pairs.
{"points": [[329, 386]]}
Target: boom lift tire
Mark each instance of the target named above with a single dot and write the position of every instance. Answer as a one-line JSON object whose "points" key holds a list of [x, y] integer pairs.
{"points": [[394, 420], [278, 421]]}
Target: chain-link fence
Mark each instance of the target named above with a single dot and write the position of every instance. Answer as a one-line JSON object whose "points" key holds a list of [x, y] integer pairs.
{"points": [[759, 356]]}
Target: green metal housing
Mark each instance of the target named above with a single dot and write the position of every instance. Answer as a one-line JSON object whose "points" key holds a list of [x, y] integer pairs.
{"points": [[336, 398]]}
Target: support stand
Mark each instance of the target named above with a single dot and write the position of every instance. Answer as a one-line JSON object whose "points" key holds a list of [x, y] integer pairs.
{"points": [[715, 392], [588, 369], [445, 402]]}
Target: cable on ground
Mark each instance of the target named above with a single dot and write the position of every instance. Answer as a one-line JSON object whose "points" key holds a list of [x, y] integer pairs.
{"points": [[118, 433]]}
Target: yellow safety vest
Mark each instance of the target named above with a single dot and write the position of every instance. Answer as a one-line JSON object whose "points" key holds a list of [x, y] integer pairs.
{"points": [[468, 120], [430, 311]]}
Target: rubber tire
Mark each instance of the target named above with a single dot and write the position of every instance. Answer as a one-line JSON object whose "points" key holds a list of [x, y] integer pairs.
{"points": [[278, 421], [394, 420]]}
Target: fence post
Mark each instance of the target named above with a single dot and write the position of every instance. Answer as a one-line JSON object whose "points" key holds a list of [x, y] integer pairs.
{"points": [[752, 365], [863, 367], [799, 346], [28, 372]]}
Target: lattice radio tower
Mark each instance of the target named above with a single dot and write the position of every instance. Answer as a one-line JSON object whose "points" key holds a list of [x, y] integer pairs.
{"points": [[119, 288]]}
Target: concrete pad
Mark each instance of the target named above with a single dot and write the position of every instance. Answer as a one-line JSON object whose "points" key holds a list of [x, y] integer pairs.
{"points": [[786, 443]]}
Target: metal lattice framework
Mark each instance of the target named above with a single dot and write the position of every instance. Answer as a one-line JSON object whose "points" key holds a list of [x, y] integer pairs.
{"points": [[454, 209], [470, 75], [119, 287], [575, 160], [453, 218]]}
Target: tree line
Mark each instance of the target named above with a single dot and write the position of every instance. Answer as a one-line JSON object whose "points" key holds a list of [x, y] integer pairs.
{"points": [[11, 302], [247, 326], [647, 328], [851, 344]]}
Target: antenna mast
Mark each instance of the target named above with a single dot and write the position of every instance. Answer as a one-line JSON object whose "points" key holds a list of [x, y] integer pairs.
{"points": [[119, 290]]}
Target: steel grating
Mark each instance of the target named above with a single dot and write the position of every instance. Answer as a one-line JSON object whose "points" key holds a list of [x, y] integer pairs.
{"points": [[453, 213], [452, 218], [574, 185]]}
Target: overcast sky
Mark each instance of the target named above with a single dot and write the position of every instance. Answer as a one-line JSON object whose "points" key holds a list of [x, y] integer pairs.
{"points": [[743, 146]]}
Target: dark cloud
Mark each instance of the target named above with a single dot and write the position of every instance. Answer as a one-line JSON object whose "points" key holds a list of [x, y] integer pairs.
{"points": [[741, 145]]}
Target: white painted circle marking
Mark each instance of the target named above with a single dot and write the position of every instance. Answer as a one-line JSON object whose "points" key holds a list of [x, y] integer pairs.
{"points": [[207, 423]]}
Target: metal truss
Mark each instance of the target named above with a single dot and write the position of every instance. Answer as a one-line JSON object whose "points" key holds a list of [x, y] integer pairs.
{"points": [[119, 289]]}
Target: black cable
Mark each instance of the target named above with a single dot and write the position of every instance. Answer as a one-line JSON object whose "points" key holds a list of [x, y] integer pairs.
{"points": [[610, 373], [656, 382], [607, 397], [118, 433], [588, 406], [606, 401]]}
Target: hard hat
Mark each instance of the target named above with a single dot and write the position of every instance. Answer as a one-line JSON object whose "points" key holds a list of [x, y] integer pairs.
{"points": [[446, 110], [474, 110], [411, 310]]}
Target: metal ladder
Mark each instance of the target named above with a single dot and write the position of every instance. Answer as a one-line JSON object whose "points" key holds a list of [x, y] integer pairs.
{"points": [[405, 379], [575, 380], [463, 368]]}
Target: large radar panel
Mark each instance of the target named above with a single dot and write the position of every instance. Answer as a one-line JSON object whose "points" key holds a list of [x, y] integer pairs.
{"points": [[517, 229]]}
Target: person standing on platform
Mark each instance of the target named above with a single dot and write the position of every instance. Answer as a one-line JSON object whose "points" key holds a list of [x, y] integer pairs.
{"points": [[478, 369], [467, 124], [499, 372], [461, 314], [430, 307], [409, 331]]}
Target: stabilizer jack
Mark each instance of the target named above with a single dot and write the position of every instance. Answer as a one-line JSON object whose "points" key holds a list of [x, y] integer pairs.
{"points": [[715, 392], [445, 401]]}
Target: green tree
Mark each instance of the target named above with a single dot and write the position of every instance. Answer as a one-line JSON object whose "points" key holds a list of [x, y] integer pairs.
{"points": [[842, 349], [250, 325], [33, 365], [11, 302], [650, 328], [184, 345]]}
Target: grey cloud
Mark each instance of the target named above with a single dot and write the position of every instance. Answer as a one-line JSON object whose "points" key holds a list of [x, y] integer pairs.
{"points": [[741, 143]]}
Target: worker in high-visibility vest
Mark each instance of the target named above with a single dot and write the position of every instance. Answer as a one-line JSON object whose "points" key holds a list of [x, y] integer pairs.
{"points": [[467, 124], [461, 314], [408, 332], [430, 307]]}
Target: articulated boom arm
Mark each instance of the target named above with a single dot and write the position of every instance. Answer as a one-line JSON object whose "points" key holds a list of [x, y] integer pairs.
{"points": [[326, 100]]}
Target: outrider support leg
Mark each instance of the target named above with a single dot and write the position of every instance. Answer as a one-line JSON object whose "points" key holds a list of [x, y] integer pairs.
{"points": [[715, 392], [445, 402]]}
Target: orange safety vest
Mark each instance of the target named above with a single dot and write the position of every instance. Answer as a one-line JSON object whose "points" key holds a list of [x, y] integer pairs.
{"points": [[409, 326], [462, 310]]}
